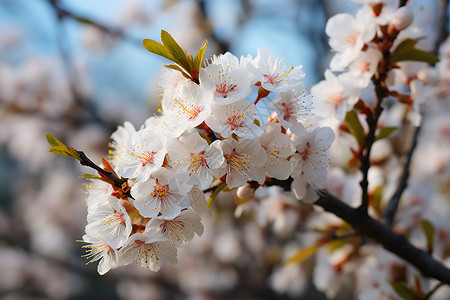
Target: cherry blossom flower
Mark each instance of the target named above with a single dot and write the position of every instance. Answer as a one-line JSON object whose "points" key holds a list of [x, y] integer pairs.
{"points": [[189, 105], [237, 118], [144, 154], [179, 230], [274, 74], [309, 164], [364, 66], [160, 194], [244, 161], [348, 35], [193, 158], [335, 95], [278, 147], [120, 139], [111, 222], [170, 81], [226, 79], [148, 252], [99, 192], [99, 249], [165, 126], [293, 108]]}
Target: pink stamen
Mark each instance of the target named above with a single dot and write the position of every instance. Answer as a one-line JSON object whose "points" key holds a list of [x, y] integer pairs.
{"points": [[148, 157], [306, 152], [223, 89]]}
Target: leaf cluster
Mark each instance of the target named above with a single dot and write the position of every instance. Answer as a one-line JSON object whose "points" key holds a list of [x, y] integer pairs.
{"points": [[186, 64]]}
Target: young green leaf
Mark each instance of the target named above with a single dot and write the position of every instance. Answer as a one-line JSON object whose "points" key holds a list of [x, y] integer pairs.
{"points": [[404, 291], [157, 48], [178, 68], [304, 254], [216, 192], [353, 124], [90, 176], [428, 230], [385, 132], [59, 148], [184, 63], [199, 56], [407, 51], [52, 140], [177, 52]]}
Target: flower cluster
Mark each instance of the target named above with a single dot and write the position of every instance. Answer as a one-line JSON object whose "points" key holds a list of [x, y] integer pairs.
{"points": [[210, 134]]}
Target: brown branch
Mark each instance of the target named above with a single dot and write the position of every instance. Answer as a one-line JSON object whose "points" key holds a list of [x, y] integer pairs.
{"points": [[372, 121], [389, 212], [117, 182], [383, 235], [63, 13]]}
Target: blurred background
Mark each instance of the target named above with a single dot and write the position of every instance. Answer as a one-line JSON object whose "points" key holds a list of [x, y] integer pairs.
{"points": [[77, 69]]}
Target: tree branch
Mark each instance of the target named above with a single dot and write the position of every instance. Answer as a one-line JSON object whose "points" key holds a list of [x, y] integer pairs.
{"points": [[382, 234], [389, 212], [62, 13], [372, 121], [117, 182]]}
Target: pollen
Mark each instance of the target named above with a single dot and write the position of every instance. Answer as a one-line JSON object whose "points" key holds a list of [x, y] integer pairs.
{"points": [[160, 192]]}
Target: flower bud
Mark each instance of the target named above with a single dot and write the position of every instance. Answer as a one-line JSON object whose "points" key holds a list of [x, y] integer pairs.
{"points": [[402, 18], [247, 191]]}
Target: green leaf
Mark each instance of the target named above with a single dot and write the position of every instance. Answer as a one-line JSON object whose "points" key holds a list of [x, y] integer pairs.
{"points": [[90, 176], [61, 149], [178, 68], [428, 231], [404, 291], [215, 193], [52, 140], [304, 254], [177, 52], [385, 132], [353, 124], [433, 290], [336, 244], [407, 51], [199, 56], [157, 48]]}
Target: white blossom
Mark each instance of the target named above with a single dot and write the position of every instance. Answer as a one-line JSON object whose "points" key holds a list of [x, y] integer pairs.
{"points": [[335, 95], [348, 34], [144, 154], [110, 221], [274, 74], [179, 230], [237, 118], [98, 249], [293, 108], [160, 194], [189, 106], [244, 161], [194, 158], [310, 163], [278, 147], [148, 252], [228, 81]]}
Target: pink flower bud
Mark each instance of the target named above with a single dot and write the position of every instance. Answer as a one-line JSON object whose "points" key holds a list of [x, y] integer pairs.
{"points": [[246, 191], [402, 18]]}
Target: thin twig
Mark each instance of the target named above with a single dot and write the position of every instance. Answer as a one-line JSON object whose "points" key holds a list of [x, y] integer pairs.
{"points": [[372, 121], [62, 12], [117, 182], [391, 209]]}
